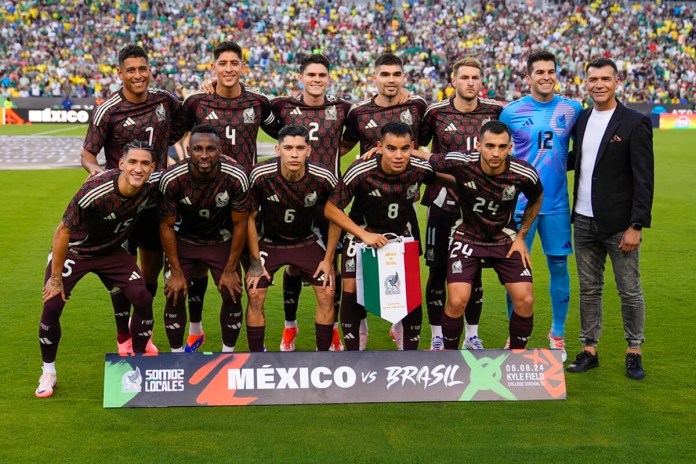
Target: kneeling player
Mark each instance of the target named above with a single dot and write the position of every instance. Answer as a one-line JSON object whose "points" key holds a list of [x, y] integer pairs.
{"points": [[487, 186], [290, 192], [88, 239]]}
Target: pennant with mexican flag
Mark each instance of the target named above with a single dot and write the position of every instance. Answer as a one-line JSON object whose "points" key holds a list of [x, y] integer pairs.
{"points": [[388, 278]]}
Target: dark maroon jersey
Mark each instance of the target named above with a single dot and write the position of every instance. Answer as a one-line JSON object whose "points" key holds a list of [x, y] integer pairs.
{"points": [[117, 121], [100, 218], [366, 118], [288, 209], [203, 208], [487, 203], [237, 121], [381, 202], [451, 130], [325, 123]]}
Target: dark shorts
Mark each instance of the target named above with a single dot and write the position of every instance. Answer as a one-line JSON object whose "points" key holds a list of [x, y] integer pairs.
{"points": [[465, 262], [145, 232], [304, 258], [213, 256], [437, 236], [117, 269]]}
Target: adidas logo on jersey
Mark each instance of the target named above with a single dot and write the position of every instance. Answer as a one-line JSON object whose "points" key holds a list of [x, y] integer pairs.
{"points": [[371, 125], [471, 184], [526, 273], [296, 112], [274, 198], [110, 217], [186, 201], [134, 276], [451, 128], [528, 122], [375, 193], [129, 122], [212, 115]]}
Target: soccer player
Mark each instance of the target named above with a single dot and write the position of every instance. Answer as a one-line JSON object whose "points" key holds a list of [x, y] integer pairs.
{"points": [[290, 192], [88, 239], [363, 124], [487, 187], [541, 124], [236, 112], [383, 189], [136, 112], [203, 212], [453, 125], [324, 115]]}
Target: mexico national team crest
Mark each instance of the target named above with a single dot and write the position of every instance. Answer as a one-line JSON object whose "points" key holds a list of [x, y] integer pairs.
{"points": [[457, 267], [509, 193], [161, 113], [143, 205], [331, 113], [221, 199], [350, 265], [131, 381], [406, 118], [392, 284], [310, 200], [412, 192], [248, 116]]}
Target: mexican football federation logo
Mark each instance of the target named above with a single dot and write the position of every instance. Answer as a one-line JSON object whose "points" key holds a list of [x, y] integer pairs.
{"points": [[248, 116], [310, 200], [392, 284], [132, 381], [406, 118], [412, 192], [509, 193], [457, 267], [221, 199], [331, 113], [161, 113]]}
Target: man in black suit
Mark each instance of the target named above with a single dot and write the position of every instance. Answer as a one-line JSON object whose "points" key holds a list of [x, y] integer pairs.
{"points": [[613, 195]]}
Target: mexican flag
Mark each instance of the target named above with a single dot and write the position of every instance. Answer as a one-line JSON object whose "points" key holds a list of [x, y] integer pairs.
{"points": [[388, 279]]}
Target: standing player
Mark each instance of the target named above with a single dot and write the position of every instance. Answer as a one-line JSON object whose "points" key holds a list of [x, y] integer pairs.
{"points": [[136, 112], [236, 112], [487, 187], [363, 124], [453, 125], [203, 221], [382, 190], [541, 125], [324, 115], [290, 192], [88, 239]]}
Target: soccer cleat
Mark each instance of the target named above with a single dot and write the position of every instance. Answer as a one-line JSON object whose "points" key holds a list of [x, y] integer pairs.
{"points": [[336, 344], [558, 343], [397, 335], [472, 343], [47, 382], [634, 366], [288, 341], [437, 343], [363, 340], [125, 348], [583, 362], [194, 342], [150, 348]]}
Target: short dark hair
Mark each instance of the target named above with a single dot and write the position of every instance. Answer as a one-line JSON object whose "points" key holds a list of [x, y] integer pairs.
{"points": [[227, 46], [495, 127], [601, 62], [539, 55], [398, 129], [131, 51], [314, 58], [293, 130], [388, 59], [204, 129], [136, 145]]}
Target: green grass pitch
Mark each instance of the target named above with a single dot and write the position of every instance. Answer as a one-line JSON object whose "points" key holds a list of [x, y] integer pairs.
{"points": [[606, 418]]}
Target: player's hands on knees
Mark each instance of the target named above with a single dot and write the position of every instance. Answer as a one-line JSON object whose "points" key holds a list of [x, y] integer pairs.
{"points": [[519, 246], [208, 86], [370, 153], [175, 284], [327, 269], [252, 281], [53, 287], [231, 280], [374, 240]]}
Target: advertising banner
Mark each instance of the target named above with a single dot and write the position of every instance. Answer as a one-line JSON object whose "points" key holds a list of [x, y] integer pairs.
{"points": [[677, 121], [241, 379]]}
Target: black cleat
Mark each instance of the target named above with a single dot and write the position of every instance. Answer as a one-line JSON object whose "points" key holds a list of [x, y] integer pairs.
{"points": [[583, 362], [634, 366]]}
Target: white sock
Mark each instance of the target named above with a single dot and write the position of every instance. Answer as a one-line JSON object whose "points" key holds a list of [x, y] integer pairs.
{"points": [[363, 325], [227, 349], [291, 324], [49, 368], [471, 331], [196, 328], [178, 350], [436, 331]]}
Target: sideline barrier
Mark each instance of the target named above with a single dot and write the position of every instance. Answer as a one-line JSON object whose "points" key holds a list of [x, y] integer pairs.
{"points": [[241, 379]]}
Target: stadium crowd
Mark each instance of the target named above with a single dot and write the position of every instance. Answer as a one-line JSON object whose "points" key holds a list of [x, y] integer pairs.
{"points": [[57, 48]]}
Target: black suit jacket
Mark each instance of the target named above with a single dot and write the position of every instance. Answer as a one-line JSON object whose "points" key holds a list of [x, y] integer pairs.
{"points": [[623, 177]]}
